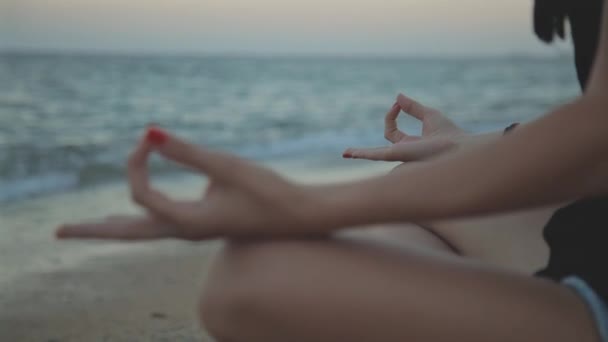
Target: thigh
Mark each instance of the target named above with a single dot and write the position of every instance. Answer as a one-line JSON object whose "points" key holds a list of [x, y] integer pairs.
{"points": [[330, 290], [512, 241], [403, 236]]}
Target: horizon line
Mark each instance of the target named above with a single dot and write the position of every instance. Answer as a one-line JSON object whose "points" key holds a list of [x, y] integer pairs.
{"points": [[550, 54]]}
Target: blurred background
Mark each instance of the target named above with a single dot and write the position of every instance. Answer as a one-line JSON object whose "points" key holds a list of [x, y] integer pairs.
{"points": [[285, 82], [265, 79]]}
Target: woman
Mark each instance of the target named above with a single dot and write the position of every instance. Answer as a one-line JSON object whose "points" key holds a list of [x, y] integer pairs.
{"points": [[327, 290]]}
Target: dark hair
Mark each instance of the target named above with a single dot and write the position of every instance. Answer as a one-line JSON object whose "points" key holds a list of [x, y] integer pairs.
{"points": [[584, 17]]}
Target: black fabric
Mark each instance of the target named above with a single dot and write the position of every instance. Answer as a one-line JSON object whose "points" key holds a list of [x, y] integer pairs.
{"points": [[578, 238], [577, 234]]}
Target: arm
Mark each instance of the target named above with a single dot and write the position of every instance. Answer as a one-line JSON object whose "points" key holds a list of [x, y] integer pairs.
{"points": [[556, 158], [559, 157], [519, 170]]}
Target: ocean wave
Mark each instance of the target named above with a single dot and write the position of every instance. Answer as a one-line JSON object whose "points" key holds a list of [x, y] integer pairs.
{"points": [[38, 185], [30, 171], [68, 122]]}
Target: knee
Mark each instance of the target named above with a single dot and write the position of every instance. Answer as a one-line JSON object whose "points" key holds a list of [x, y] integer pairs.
{"points": [[243, 289]]}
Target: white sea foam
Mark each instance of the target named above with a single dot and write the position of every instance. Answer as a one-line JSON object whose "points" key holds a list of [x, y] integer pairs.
{"points": [[42, 184]]}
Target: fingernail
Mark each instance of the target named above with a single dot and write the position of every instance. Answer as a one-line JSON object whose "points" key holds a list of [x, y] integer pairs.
{"points": [[156, 136], [60, 232], [347, 155]]}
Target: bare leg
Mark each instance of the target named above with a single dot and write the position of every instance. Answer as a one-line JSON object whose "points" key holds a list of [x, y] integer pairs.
{"points": [[403, 236], [331, 290], [512, 241]]}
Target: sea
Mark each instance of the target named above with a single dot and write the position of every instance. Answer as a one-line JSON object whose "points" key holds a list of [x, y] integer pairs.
{"points": [[68, 121]]}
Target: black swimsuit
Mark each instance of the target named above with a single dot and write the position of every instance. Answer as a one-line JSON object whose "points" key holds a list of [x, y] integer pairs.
{"points": [[577, 234]]}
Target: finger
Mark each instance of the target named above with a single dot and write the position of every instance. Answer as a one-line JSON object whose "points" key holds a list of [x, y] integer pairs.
{"points": [[391, 129], [218, 165], [146, 196], [412, 107], [405, 152], [376, 153], [117, 228]]}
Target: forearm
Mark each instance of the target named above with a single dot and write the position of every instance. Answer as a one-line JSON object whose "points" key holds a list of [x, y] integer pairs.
{"points": [[474, 141], [560, 157], [556, 158]]}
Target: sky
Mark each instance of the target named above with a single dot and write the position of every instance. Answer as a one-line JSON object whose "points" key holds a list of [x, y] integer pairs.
{"points": [[326, 27]]}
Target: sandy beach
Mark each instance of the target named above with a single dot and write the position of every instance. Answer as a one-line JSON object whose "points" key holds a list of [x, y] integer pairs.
{"points": [[97, 291]]}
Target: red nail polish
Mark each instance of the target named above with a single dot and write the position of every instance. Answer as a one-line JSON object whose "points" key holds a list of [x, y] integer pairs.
{"points": [[156, 136], [60, 232], [347, 155]]}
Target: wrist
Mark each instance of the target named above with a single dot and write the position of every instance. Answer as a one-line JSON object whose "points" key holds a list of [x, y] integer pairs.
{"points": [[333, 207]]}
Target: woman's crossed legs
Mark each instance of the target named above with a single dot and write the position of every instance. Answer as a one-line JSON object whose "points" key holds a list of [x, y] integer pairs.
{"points": [[404, 284]]}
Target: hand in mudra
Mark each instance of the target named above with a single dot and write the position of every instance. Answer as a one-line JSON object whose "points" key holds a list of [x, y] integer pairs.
{"points": [[241, 199], [439, 134]]}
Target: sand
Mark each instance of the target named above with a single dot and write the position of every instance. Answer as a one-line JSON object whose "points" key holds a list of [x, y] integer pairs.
{"points": [[145, 295], [98, 291]]}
